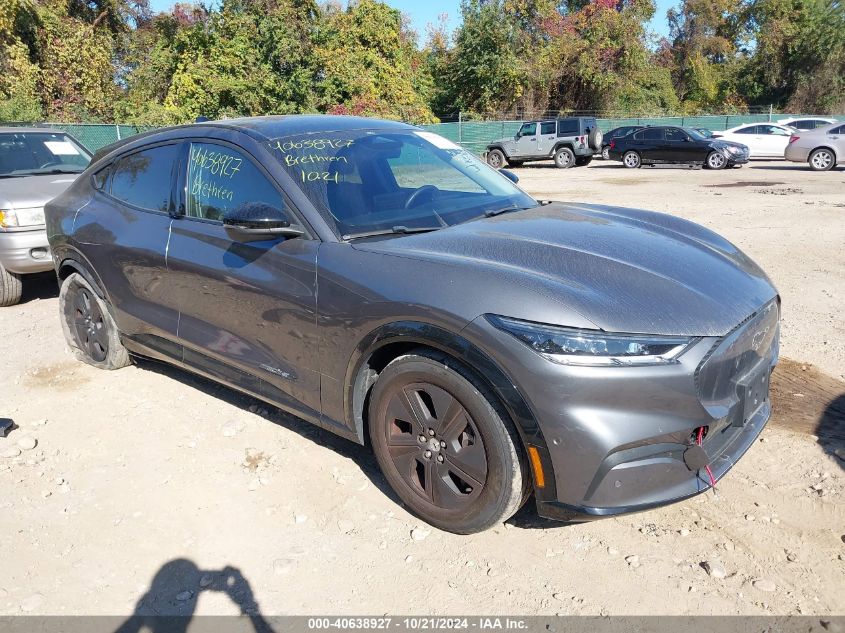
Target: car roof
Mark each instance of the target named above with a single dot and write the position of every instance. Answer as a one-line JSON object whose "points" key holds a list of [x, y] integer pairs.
{"points": [[806, 118], [272, 127]]}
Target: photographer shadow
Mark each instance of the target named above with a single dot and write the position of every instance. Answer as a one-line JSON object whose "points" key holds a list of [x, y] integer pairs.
{"points": [[170, 603]]}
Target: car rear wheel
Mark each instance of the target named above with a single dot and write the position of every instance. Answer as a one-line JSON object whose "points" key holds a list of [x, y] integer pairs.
{"points": [[822, 160], [716, 160], [564, 158], [496, 158], [89, 329], [444, 444], [605, 153], [631, 160], [10, 288]]}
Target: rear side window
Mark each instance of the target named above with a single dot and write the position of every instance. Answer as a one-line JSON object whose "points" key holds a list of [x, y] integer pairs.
{"points": [[221, 179], [837, 130], [751, 129], [568, 127], [143, 179], [547, 127], [649, 134]]}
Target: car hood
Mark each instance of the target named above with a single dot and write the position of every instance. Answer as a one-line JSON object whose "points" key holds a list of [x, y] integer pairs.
{"points": [[723, 143], [32, 191], [623, 270]]}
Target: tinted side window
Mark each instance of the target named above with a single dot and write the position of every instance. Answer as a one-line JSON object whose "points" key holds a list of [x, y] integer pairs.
{"points": [[652, 134], [221, 179], [674, 134], [567, 127], [837, 130], [142, 179], [547, 127], [751, 129]]}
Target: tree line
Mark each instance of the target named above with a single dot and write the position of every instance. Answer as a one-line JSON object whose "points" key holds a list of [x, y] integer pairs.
{"points": [[116, 60]]}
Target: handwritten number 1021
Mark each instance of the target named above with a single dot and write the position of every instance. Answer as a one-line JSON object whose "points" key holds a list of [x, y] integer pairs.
{"points": [[320, 176]]}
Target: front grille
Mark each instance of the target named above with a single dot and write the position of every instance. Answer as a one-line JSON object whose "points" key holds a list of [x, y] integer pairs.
{"points": [[725, 373]]}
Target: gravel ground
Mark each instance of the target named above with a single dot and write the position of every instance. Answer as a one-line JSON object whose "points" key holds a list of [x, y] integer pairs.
{"points": [[148, 490]]}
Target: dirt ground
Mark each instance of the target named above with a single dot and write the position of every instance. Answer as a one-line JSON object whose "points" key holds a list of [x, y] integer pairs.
{"points": [[152, 491]]}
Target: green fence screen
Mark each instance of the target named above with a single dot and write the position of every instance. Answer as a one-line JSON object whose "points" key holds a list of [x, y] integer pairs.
{"points": [[473, 135]]}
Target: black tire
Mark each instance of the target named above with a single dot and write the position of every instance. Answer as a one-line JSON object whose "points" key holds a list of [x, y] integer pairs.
{"points": [[821, 159], [715, 160], [564, 158], [515, 164], [496, 158], [583, 161], [594, 139], [89, 329], [605, 153], [10, 288], [480, 477], [632, 160]]}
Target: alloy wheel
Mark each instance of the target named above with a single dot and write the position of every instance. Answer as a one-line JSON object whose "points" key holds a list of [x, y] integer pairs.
{"points": [[90, 326], [631, 159], [435, 445], [821, 160], [716, 160]]}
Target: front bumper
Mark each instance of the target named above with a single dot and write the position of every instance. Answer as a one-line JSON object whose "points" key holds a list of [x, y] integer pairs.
{"points": [[25, 251], [616, 438]]}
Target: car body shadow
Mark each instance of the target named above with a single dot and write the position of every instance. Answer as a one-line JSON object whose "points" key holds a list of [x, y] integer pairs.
{"points": [[361, 455], [39, 286], [169, 604], [831, 430]]}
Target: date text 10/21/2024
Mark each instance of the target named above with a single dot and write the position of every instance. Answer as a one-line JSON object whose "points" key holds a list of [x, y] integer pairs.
{"points": [[421, 623]]}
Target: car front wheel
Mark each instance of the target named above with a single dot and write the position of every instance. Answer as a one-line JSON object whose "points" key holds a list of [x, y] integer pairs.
{"points": [[445, 445], [716, 160], [631, 160], [10, 288], [89, 329], [821, 160]]}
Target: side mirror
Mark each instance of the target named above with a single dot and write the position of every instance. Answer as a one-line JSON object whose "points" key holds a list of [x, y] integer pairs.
{"points": [[257, 221], [509, 175]]}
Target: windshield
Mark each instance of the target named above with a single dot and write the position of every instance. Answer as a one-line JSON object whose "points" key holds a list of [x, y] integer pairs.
{"points": [[32, 153], [368, 180]]}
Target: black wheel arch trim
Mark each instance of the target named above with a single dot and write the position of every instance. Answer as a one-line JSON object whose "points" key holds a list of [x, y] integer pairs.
{"points": [[71, 258], [360, 378]]}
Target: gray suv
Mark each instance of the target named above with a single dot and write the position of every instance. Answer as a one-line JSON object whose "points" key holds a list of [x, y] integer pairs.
{"points": [[36, 165], [568, 142]]}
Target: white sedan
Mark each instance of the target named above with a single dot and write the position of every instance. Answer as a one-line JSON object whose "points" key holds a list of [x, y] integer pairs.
{"points": [[804, 124], [764, 140]]}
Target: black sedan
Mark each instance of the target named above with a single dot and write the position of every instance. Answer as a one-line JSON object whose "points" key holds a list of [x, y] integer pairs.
{"points": [[669, 144], [617, 132]]}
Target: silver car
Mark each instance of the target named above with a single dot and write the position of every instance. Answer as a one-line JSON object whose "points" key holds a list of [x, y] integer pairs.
{"points": [[822, 148], [36, 165]]}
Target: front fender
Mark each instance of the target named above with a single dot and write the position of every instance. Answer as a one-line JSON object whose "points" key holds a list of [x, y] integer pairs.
{"points": [[360, 377]]}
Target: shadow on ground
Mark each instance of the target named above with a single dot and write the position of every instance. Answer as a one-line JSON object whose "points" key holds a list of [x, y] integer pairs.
{"points": [[170, 603], [40, 286]]}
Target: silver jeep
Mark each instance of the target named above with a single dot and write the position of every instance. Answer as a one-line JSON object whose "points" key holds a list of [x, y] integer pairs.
{"points": [[569, 142], [36, 165]]}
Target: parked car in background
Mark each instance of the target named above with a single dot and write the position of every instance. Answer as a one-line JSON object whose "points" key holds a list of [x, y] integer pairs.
{"points": [[617, 132], [822, 148], [807, 123], [36, 165], [670, 144], [388, 286], [764, 140], [568, 142]]}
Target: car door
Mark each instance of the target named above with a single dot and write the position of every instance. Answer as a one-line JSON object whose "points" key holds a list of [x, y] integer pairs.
{"points": [[836, 138], [752, 136], [650, 144], [125, 227], [547, 137], [678, 147], [526, 143], [247, 310], [773, 140]]}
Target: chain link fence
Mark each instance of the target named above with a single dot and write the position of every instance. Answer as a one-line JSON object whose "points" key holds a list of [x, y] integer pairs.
{"points": [[472, 135]]}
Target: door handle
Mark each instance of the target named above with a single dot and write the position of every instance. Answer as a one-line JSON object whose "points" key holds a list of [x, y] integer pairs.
{"points": [[534, 139]]}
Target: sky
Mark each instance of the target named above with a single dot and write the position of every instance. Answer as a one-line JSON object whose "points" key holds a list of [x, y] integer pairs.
{"points": [[423, 12]]}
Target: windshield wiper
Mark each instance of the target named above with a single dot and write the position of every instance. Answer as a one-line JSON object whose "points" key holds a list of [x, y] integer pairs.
{"points": [[489, 213], [396, 230]]}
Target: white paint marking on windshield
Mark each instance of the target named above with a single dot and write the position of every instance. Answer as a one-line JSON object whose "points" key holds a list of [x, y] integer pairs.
{"points": [[61, 148], [437, 140]]}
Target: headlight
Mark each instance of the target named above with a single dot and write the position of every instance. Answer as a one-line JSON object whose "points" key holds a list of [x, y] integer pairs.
{"points": [[592, 347], [21, 217]]}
